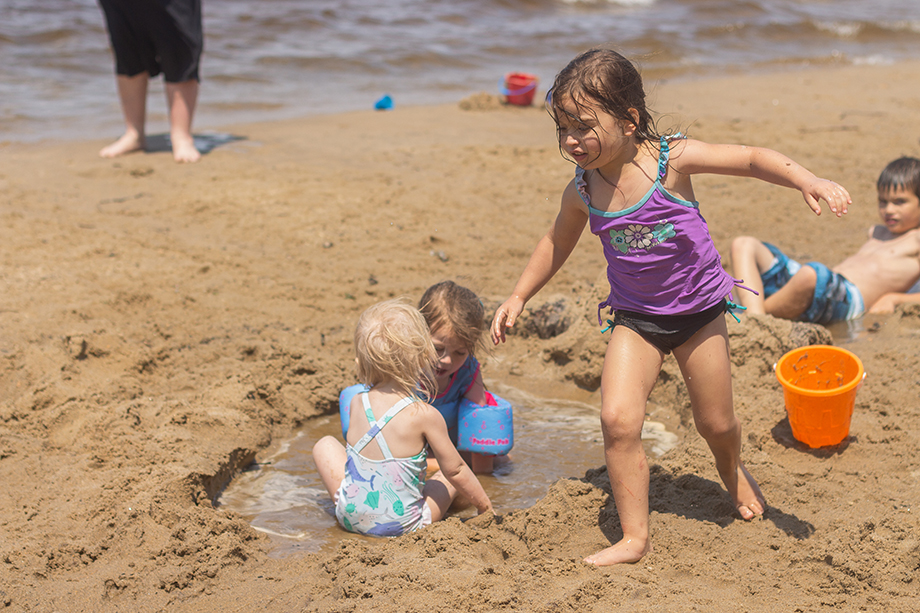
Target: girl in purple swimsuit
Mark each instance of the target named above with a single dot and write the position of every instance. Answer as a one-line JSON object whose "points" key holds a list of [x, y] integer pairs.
{"points": [[667, 286]]}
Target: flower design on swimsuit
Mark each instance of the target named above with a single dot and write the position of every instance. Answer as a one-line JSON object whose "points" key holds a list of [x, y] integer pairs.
{"points": [[618, 240], [662, 232], [638, 237]]}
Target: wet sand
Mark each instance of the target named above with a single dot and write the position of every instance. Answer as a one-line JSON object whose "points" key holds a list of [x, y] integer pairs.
{"points": [[164, 325], [283, 495]]}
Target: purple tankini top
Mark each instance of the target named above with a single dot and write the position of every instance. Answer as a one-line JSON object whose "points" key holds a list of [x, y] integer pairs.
{"points": [[660, 257]]}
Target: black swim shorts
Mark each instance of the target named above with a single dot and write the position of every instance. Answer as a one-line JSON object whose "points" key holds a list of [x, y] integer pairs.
{"points": [[667, 332], [155, 36]]}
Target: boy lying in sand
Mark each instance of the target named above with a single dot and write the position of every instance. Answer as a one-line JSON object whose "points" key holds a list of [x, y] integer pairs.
{"points": [[884, 273]]}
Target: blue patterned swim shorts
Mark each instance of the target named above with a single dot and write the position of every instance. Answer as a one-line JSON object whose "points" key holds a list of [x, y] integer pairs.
{"points": [[835, 299]]}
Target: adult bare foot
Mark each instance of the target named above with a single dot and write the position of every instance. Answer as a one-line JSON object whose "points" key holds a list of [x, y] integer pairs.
{"points": [[128, 142], [626, 551], [184, 150]]}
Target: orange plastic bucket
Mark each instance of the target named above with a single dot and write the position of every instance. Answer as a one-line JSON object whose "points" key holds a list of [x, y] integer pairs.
{"points": [[819, 387], [519, 88]]}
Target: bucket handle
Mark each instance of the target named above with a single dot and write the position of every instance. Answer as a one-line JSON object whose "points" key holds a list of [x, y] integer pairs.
{"points": [[515, 92]]}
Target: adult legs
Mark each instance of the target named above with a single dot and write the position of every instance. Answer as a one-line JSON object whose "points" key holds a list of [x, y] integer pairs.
{"points": [[631, 368], [706, 366], [182, 98], [132, 92]]}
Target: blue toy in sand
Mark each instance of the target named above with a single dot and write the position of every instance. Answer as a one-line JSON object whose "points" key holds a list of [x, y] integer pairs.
{"points": [[385, 103], [487, 429]]}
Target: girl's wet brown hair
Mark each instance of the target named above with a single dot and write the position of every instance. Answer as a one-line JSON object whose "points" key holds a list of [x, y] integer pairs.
{"points": [[456, 309], [604, 78]]}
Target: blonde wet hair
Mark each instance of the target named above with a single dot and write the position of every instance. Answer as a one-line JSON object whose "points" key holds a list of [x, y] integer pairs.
{"points": [[392, 342]]}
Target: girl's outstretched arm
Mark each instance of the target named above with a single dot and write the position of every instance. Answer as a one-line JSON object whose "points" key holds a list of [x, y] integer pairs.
{"points": [[550, 254], [693, 156]]}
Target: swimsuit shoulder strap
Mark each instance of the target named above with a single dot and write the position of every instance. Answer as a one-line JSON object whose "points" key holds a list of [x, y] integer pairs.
{"points": [[377, 426], [665, 154]]}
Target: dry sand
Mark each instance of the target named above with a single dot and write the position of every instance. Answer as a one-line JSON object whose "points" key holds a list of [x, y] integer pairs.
{"points": [[161, 325]]}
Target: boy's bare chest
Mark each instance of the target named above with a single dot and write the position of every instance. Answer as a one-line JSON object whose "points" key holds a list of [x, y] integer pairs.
{"points": [[906, 246]]}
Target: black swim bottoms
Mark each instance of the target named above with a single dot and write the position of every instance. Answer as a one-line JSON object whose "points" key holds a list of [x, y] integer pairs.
{"points": [[155, 36], [667, 332]]}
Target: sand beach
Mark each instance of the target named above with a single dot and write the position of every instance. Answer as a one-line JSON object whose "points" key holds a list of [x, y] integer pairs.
{"points": [[163, 325]]}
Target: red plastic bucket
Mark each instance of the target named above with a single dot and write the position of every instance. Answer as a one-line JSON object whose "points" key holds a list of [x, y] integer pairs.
{"points": [[819, 388], [519, 88]]}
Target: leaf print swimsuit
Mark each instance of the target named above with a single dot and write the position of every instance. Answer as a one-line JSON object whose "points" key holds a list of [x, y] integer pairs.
{"points": [[660, 257], [382, 497]]}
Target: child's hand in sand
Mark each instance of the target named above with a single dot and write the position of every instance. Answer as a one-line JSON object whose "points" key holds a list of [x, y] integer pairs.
{"points": [[483, 520]]}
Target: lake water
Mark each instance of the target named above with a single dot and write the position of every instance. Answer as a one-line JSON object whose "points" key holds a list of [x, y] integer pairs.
{"points": [[274, 59]]}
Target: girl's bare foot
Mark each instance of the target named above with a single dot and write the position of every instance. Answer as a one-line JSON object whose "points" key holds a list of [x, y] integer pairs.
{"points": [[128, 142], [746, 494], [626, 551]]}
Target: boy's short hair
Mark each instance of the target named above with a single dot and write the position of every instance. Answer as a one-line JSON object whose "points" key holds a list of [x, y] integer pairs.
{"points": [[392, 342], [902, 173]]}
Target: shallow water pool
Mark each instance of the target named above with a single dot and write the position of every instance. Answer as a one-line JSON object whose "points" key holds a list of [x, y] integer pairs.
{"points": [[282, 495]]}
